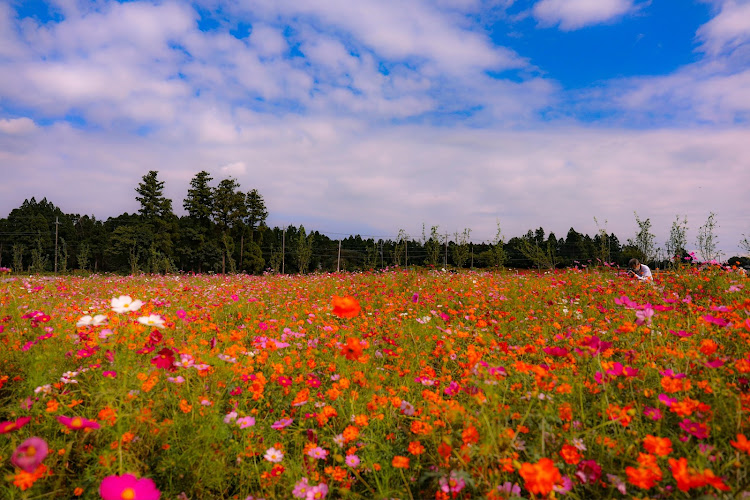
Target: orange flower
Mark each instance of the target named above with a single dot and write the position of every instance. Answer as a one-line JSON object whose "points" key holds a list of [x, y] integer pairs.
{"points": [[352, 350], [444, 450], [570, 454], [351, 433], [470, 435], [185, 407], [657, 446], [52, 406], [345, 307], [25, 480], [742, 443], [540, 477], [416, 448], [400, 462], [644, 478]]}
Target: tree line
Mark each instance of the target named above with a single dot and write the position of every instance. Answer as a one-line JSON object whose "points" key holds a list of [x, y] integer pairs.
{"points": [[224, 231]]}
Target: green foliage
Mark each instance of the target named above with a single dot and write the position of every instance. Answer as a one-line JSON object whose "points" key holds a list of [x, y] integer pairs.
{"points": [[303, 249], [644, 241], [707, 240], [460, 251], [432, 246]]}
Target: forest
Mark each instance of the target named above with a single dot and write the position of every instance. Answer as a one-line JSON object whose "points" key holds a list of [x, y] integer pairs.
{"points": [[224, 230]]}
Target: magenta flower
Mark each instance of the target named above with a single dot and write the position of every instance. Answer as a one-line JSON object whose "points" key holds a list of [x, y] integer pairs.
{"points": [[110, 374], [352, 461], [588, 471], [12, 426], [29, 455], [695, 429], [164, 360], [128, 487], [77, 423], [281, 424]]}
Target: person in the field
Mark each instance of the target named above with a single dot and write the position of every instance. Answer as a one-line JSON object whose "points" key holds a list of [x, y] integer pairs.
{"points": [[640, 271]]}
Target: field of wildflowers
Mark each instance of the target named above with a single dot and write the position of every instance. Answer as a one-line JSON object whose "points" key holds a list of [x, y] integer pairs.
{"points": [[393, 384]]}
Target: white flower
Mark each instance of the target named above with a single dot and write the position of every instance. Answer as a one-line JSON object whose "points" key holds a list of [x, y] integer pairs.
{"points": [[273, 455], [152, 320], [97, 320], [124, 303]]}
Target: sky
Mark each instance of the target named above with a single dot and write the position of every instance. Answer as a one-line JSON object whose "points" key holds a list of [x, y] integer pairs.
{"points": [[370, 116]]}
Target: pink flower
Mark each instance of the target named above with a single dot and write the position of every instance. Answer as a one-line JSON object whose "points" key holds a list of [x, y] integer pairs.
{"points": [[128, 487], [77, 423], [280, 424], [29, 455], [12, 426], [352, 461], [245, 422], [110, 374], [452, 484], [317, 492], [301, 488], [317, 452]]}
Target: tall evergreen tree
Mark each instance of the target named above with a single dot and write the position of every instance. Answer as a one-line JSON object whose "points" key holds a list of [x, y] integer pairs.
{"points": [[256, 211], [154, 205], [199, 200]]}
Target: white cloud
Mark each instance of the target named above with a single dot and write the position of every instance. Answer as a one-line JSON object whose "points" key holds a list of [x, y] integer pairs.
{"points": [[728, 30], [18, 126], [235, 169], [318, 170], [576, 14], [268, 40]]}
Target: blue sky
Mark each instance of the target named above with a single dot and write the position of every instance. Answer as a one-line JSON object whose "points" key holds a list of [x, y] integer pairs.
{"points": [[376, 115]]}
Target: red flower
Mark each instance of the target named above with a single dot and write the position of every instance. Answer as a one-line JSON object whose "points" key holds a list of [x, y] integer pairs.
{"points": [[345, 307], [164, 360]]}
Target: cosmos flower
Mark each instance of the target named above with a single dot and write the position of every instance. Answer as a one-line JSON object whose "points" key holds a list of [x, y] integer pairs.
{"points": [[97, 320], [30, 454], [13, 426], [345, 307], [124, 303], [273, 455], [152, 320], [77, 423], [127, 487]]}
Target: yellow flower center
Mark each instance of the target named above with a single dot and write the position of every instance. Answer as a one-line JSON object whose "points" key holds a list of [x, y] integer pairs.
{"points": [[10, 427], [76, 422], [127, 494], [30, 451]]}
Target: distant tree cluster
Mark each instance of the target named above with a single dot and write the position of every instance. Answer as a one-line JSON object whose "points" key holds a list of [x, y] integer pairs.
{"points": [[225, 231]]}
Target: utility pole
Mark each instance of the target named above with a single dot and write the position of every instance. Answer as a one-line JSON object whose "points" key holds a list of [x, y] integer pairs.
{"points": [[338, 262], [406, 249], [57, 225], [445, 262], [283, 240]]}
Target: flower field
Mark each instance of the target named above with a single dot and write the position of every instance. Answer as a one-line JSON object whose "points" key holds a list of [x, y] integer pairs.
{"points": [[397, 384]]}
